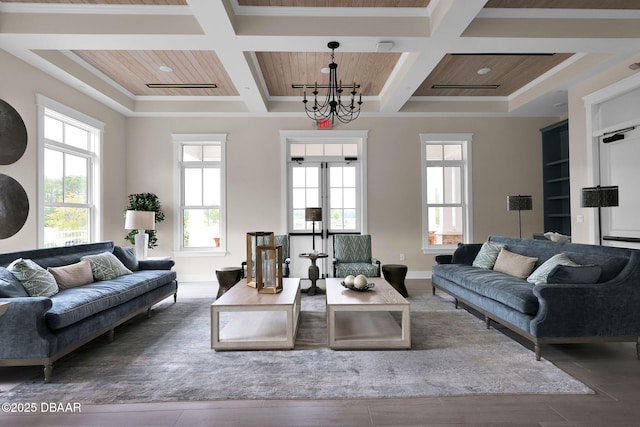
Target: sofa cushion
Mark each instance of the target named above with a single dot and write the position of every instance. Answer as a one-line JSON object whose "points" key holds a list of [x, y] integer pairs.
{"points": [[466, 253], [127, 255], [10, 286], [541, 273], [487, 256], [355, 268], [37, 281], [577, 274], [106, 266], [72, 275], [73, 305], [514, 264], [509, 290]]}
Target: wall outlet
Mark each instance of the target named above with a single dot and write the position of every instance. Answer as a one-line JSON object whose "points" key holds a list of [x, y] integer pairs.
{"points": [[401, 257]]}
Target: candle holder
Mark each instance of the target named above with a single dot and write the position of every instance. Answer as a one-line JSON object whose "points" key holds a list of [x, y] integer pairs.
{"points": [[255, 239], [269, 269]]}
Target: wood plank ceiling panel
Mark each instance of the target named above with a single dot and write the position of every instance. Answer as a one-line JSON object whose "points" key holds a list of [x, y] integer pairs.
{"points": [[509, 71], [282, 69], [134, 69], [564, 4], [335, 3]]}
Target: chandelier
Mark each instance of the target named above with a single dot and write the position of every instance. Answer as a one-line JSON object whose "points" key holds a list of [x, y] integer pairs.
{"points": [[332, 107]]}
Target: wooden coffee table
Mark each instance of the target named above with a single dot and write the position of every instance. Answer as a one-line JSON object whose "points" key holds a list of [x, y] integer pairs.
{"points": [[365, 320], [243, 319]]}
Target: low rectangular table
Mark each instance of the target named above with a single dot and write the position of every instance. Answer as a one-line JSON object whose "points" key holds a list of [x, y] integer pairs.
{"points": [[243, 319], [364, 320]]}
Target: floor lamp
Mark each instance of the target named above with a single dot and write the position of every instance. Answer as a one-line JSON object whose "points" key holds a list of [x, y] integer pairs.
{"points": [[519, 203], [141, 221], [599, 197], [313, 215]]}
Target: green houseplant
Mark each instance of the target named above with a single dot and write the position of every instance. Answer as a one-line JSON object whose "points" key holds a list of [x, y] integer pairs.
{"points": [[145, 202]]}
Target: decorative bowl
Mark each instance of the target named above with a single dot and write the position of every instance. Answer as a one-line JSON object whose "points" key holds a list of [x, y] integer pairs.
{"points": [[353, 288]]}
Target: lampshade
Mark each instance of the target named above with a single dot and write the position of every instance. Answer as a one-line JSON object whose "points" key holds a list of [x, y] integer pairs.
{"points": [[519, 203], [313, 214], [599, 197], [140, 220]]}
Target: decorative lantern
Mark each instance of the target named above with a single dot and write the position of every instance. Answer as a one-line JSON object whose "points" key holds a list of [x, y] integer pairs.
{"points": [[255, 239], [269, 269]]}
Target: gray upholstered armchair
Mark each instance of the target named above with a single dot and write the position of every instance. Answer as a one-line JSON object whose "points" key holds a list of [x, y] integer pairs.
{"points": [[286, 260], [352, 255]]}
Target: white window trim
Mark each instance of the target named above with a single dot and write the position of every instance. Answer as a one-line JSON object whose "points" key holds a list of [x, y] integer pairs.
{"points": [[178, 140], [466, 138], [96, 178], [359, 137]]}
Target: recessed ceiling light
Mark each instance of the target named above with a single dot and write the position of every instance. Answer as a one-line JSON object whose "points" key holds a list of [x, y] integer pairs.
{"points": [[483, 71], [165, 69]]}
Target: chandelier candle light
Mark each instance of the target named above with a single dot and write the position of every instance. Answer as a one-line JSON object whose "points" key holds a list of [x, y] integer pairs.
{"points": [[325, 113]]}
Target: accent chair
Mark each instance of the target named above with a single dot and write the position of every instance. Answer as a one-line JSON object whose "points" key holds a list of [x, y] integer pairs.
{"points": [[352, 256]]}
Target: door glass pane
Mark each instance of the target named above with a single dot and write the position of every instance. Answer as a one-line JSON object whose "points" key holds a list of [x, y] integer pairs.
{"points": [[75, 179], [193, 187], [333, 149], [201, 228], [349, 176], [65, 226]]}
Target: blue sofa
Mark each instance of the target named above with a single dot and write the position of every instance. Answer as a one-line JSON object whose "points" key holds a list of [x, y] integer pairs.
{"points": [[571, 310], [37, 330]]}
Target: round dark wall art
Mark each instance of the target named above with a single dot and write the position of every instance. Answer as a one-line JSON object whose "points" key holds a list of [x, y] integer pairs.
{"points": [[13, 134], [14, 206]]}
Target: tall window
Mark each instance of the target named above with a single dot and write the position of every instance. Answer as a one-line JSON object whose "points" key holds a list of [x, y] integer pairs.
{"points": [[446, 190], [201, 192], [326, 170], [69, 144]]}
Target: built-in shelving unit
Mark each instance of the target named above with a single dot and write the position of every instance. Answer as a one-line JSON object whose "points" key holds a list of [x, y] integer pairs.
{"points": [[555, 173]]}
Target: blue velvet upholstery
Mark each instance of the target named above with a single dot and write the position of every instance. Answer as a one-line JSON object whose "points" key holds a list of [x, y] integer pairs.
{"points": [[40, 330], [553, 312], [352, 256]]}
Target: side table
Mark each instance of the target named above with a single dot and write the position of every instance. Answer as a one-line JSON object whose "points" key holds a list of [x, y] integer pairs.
{"points": [[395, 274], [314, 271], [227, 277]]}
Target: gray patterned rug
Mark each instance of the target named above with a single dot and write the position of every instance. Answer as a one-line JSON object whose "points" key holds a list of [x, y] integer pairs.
{"points": [[168, 358]]}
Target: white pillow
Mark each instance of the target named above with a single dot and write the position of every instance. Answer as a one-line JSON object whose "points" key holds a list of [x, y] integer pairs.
{"points": [[541, 273], [37, 281], [487, 256]]}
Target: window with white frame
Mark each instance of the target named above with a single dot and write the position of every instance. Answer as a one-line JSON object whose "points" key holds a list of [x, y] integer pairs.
{"points": [[325, 170], [446, 190], [69, 178], [200, 174]]}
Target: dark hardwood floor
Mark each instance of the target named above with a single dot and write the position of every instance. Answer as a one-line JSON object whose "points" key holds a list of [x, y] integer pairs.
{"points": [[611, 369]]}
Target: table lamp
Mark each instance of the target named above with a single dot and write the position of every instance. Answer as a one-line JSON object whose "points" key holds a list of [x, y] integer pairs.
{"points": [[141, 221], [313, 215], [599, 197]]}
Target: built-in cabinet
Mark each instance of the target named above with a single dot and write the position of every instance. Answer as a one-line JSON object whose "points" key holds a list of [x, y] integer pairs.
{"points": [[555, 173]]}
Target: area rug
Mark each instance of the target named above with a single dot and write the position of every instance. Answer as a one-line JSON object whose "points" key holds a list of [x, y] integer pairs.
{"points": [[168, 358]]}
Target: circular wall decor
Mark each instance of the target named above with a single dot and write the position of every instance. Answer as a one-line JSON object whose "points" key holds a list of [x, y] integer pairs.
{"points": [[13, 134], [14, 206]]}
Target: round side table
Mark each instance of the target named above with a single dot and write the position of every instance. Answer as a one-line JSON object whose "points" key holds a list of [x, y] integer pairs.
{"points": [[395, 274], [314, 271], [227, 277]]}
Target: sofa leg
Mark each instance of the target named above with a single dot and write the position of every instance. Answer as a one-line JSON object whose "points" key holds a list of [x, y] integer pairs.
{"points": [[149, 313], [536, 348], [48, 370], [111, 335], [638, 348], [487, 322], [456, 303], [175, 297]]}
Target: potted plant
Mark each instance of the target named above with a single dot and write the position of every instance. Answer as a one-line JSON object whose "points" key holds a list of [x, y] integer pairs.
{"points": [[145, 202]]}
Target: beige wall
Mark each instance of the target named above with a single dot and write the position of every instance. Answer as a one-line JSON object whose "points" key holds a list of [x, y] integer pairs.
{"points": [[138, 156], [583, 232], [506, 160], [19, 85]]}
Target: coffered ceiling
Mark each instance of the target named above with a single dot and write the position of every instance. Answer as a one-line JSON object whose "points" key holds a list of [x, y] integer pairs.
{"points": [[242, 57]]}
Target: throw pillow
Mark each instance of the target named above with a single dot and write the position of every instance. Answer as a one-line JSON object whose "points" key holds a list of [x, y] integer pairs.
{"points": [[487, 256], [106, 266], [541, 273], [10, 287], [514, 264], [579, 274], [72, 275], [127, 255], [466, 253], [37, 281]]}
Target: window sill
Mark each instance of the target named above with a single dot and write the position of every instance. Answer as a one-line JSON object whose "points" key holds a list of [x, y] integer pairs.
{"points": [[200, 253]]}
